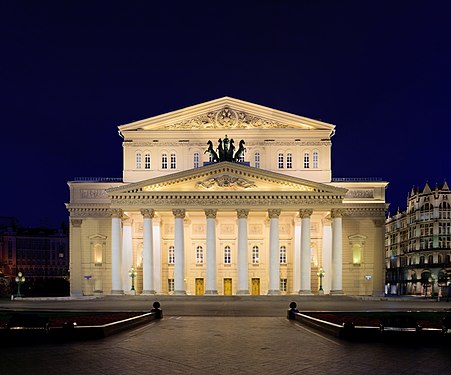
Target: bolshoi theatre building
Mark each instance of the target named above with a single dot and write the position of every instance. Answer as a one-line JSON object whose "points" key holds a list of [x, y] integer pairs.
{"points": [[227, 197]]}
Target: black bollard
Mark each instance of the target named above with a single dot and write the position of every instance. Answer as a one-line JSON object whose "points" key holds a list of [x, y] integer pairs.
{"points": [[291, 315], [156, 309]]}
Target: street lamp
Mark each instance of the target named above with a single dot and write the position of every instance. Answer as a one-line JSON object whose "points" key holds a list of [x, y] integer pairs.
{"points": [[321, 274], [432, 281], [20, 279], [132, 274]]}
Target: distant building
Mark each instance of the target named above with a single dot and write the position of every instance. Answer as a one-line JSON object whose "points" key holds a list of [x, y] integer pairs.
{"points": [[39, 253], [417, 243], [264, 218]]}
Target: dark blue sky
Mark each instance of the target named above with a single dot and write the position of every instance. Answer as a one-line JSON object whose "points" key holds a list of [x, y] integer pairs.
{"points": [[71, 73]]}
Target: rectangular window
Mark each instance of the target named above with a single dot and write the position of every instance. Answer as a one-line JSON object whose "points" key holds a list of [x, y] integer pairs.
{"points": [[283, 285], [164, 161], [315, 159], [147, 161], [173, 163], [196, 160], [283, 255], [255, 255], [171, 255], [289, 161], [227, 255], [138, 160], [170, 285], [280, 160], [257, 160], [199, 255], [306, 160]]}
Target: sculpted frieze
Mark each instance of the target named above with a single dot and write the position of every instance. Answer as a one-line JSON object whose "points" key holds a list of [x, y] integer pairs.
{"points": [[226, 182], [361, 212], [93, 194], [360, 193], [226, 118]]}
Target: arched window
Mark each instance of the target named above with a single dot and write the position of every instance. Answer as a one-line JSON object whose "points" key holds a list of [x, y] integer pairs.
{"points": [[199, 255], [283, 255], [280, 160], [171, 255], [445, 210], [426, 212], [257, 159], [173, 161], [227, 255], [147, 161], [430, 259], [138, 160], [164, 161], [255, 255], [306, 160], [439, 259], [448, 259], [421, 260], [289, 160], [196, 160], [315, 159]]}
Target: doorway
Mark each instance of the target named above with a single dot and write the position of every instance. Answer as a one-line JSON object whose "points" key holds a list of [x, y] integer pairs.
{"points": [[227, 287], [255, 286], [200, 291]]}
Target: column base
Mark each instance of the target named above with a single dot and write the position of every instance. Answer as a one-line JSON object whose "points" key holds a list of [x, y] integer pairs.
{"points": [[305, 293], [275, 292], [338, 292], [211, 292], [180, 292], [117, 292], [149, 292], [320, 292], [242, 292]]}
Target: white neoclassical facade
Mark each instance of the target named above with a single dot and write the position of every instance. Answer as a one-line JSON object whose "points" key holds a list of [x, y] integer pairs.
{"points": [[263, 219]]}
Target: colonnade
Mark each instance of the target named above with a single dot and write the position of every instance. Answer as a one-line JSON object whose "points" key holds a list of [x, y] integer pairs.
{"points": [[302, 262]]}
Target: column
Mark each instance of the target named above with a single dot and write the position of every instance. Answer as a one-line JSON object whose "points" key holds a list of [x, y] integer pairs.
{"points": [[148, 268], [297, 256], [127, 254], [306, 288], [327, 255], [274, 259], [157, 256], [116, 282], [243, 278], [179, 249], [379, 257], [211, 252], [76, 289], [337, 253]]}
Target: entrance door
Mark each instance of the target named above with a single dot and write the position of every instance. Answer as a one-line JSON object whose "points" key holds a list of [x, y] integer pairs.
{"points": [[227, 287], [255, 287], [199, 287]]}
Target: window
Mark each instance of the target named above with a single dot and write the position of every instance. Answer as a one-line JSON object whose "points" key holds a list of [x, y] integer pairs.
{"points": [[283, 254], [164, 161], [138, 160], [356, 253], [445, 210], [199, 255], [227, 255], [196, 160], [430, 259], [315, 159], [289, 160], [280, 160], [257, 160], [422, 260], [147, 161], [255, 255], [283, 285], [426, 212], [306, 160], [173, 161], [171, 255], [170, 285]]}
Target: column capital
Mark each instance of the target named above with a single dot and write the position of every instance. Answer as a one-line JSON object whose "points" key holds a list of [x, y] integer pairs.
{"points": [[179, 213], [116, 212], [76, 223], [242, 213], [274, 213], [210, 213], [148, 213], [305, 213], [336, 213]]}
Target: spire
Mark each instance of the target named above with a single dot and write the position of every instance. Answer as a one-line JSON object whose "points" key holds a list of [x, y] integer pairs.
{"points": [[427, 188], [445, 185]]}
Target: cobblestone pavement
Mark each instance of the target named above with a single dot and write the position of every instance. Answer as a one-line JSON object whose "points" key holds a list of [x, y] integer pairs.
{"points": [[224, 345], [249, 335]]}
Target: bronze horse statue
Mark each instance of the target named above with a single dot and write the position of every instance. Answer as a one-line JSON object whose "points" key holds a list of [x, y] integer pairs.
{"points": [[240, 151], [213, 155]]}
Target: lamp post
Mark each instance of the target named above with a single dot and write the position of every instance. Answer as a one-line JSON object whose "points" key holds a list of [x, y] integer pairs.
{"points": [[432, 281], [20, 279], [321, 274], [132, 274]]}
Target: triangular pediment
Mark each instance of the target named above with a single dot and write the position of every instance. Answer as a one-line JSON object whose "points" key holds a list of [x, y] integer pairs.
{"points": [[227, 177], [226, 113]]}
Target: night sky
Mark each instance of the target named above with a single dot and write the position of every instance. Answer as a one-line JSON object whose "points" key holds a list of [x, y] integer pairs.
{"points": [[71, 72]]}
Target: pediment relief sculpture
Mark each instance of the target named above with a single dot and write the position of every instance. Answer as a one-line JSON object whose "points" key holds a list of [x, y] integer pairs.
{"points": [[226, 182]]}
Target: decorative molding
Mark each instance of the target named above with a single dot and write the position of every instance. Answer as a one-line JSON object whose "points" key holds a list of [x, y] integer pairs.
{"points": [[362, 212], [116, 213], [242, 213], [227, 118], [336, 213], [148, 213], [274, 213], [179, 213], [305, 213], [226, 182], [93, 194], [360, 193], [211, 213], [250, 144], [90, 212], [76, 223]]}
